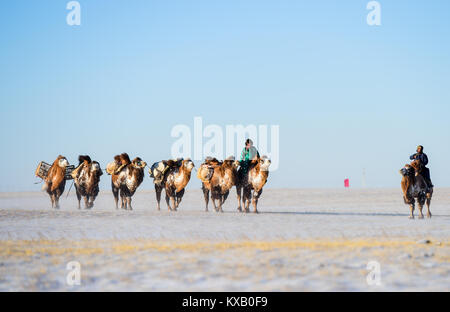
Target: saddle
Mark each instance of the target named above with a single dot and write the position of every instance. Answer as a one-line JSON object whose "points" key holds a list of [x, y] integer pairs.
{"points": [[158, 170]]}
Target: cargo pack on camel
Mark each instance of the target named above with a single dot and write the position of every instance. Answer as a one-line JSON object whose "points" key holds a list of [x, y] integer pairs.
{"points": [[54, 177], [43, 168]]}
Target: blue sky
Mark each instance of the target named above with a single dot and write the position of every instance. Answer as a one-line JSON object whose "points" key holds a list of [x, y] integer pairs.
{"points": [[346, 96]]}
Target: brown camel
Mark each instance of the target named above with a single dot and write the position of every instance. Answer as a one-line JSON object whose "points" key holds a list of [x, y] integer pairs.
{"points": [[217, 178], [174, 182], [252, 182], [55, 181], [126, 176], [86, 179], [414, 188]]}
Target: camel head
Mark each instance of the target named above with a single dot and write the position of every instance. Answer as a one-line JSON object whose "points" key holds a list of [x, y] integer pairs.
{"points": [[62, 161], [188, 164], [264, 163], [138, 163], [417, 166], [406, 171]]}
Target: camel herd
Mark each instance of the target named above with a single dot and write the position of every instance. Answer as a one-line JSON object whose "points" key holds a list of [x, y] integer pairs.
{"points": [[172, 176]]}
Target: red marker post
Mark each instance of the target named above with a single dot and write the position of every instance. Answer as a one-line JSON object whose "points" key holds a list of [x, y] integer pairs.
{"points": [[346, 183]]}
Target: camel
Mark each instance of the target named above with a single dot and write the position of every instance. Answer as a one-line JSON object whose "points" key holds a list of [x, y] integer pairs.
{"points": [[252, 183], [174, 181], [414, 188], [159, 172], [86, 179], [126, 176], [55, 181], [217, 178]]}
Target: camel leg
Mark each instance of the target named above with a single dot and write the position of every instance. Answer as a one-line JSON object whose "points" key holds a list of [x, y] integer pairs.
{"points": [[173, 201], [411, 208], [129, 202], [78, 197], [116, 196], [213, 200], [51, 198], [124, 195], [421, 202], [168, 202], [158, 190], [239, 193], [247, 199], [428, 205], [255, 201], [56, 201], [221, 200], [90, 202], [57, 193], [86, 202], [125, 200], [218, 206], [206, 196], [122, 199], [179, 197], [92, 199], [225, 196], [420, 211]]}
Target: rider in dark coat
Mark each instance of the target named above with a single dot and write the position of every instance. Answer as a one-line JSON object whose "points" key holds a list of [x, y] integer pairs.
{"points": [[420, 155]]}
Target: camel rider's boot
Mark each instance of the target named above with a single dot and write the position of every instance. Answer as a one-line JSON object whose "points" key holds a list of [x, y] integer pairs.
{"points": [[426, 175]]}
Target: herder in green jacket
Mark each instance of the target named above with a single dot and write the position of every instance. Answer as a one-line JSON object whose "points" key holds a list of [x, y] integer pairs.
{"points": [[248, 154]]}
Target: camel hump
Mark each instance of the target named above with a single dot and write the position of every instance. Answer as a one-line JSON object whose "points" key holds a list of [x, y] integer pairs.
{"points": [[171, 163], [125, 159], [212, 161]]}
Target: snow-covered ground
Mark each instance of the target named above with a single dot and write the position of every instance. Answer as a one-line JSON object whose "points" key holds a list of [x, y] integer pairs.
{"points": [[303, 239]]}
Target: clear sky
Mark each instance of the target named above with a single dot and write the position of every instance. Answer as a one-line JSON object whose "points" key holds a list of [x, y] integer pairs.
{"points": [[345, 95]]}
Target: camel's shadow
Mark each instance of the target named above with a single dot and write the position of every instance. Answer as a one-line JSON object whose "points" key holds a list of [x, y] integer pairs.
{"points": [[365, 214]]}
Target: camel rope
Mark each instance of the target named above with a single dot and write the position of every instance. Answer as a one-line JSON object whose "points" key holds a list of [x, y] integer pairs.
{"points": [[69, 189]]}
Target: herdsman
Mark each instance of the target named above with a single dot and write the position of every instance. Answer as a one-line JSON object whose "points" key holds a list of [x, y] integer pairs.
{"points": [[248, 154], [420, 155]]}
